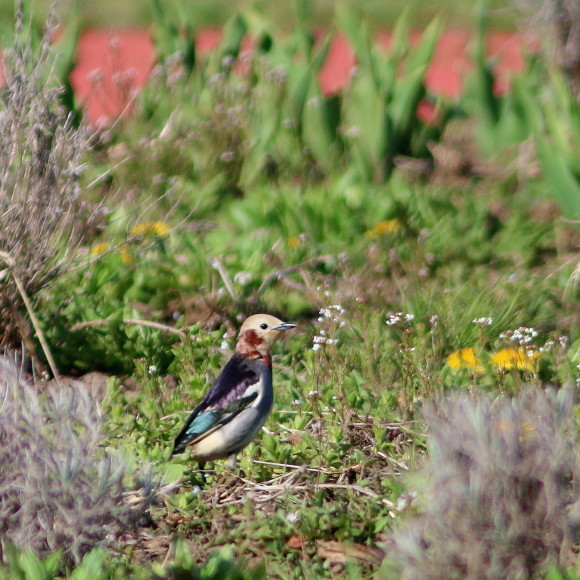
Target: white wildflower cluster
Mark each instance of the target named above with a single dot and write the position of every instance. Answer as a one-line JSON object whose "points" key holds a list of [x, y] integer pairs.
{"points": [[225, 345], [522, 335], [484, 321], [333, 315], [399, 318], [292, 517], [152, 369], [320, 339], [313, 395], [296, 403], [550, 344]]}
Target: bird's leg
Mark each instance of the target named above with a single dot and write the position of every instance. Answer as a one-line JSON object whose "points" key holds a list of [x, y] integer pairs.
{"points": [[233, 478], [202, 473], [231, 462]]}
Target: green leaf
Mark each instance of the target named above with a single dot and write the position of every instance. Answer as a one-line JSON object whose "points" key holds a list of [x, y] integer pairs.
{"points": [[33, 567], [234, 32], [563, 184], [92, 566]]}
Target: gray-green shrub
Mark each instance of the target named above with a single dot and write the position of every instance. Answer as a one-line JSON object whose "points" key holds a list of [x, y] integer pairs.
{"points": [[58, 489], [497, 489], [42, 216]]}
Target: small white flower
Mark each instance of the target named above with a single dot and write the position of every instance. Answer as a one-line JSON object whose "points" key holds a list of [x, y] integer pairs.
{"points": [[296, 403], [152, 369], [522, 335], [485, 321], [316, 347], [397, 318], [292, 518]]}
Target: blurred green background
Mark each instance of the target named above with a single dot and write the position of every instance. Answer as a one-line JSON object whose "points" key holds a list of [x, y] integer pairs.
{"points": [[382, 14]]}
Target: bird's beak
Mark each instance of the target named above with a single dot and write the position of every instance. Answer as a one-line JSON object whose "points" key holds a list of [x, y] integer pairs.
{"points": [[284, 326]]}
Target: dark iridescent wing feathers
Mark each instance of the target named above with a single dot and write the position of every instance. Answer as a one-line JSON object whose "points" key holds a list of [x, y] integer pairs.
{"points": [[224, 400]]}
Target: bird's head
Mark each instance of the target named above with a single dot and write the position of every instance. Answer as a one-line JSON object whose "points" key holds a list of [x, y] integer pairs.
{"points": [[259, 333]]}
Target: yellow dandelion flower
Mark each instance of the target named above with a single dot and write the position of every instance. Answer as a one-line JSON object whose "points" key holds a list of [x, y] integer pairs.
{"points": [[150, 229], [518, 358], [384, 228], [126, 256], [466, 359], [294, 242], [100, 249]]}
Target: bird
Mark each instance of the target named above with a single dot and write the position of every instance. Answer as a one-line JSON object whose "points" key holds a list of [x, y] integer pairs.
{"points": [[239, 401]]}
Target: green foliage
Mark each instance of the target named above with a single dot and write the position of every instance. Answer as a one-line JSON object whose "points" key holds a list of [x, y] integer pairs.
{"points": [[539, 106], [26, 565], [263, 113], [173, 33], [115, 296], [380, 106]]}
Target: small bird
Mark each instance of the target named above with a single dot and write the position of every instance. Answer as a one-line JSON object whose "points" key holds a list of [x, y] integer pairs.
{"points": [[240, 399]]}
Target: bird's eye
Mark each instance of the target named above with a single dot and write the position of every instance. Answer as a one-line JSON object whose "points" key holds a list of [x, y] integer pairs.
{"points": [[263, 326]]}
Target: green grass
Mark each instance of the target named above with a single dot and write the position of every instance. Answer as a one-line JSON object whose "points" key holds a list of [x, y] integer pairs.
{"points": [[346, 423]]}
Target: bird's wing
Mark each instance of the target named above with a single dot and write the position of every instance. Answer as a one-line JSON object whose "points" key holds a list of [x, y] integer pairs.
{"points": [[227, 398]]}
